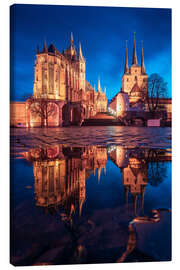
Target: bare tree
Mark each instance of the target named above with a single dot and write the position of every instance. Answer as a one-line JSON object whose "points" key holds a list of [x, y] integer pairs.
{"points": [[43, 108], [157, 88]]}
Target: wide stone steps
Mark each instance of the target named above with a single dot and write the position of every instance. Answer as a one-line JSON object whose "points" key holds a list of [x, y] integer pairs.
{"points": [[101, 122]]}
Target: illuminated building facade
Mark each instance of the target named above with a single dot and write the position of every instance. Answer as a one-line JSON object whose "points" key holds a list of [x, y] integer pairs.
{"points": [[134, 85], [60, 78], [135, 79], [60, 175]]}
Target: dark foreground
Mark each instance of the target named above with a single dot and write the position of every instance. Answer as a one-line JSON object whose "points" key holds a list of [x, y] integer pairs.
{"points": [[90, 195]]}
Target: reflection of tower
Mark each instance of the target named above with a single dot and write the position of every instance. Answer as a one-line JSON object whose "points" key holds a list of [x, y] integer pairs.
{"points": [[134, 178], [99, 173], [119, 155], [49, 182], [82, 193], [100, 160]]}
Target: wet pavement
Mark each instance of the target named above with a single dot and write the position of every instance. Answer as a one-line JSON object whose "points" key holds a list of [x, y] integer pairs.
{"points": [[90, 195]]}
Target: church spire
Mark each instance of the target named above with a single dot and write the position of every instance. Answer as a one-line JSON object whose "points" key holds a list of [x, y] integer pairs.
{"points": [[80, 52], [126, 67], [71, 40], [99, 85], [134, 60], [45, 47], [142, 61], [37, 50]]}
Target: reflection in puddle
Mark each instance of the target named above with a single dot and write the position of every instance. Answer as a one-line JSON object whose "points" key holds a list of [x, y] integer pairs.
{"points": [[61, 176]]}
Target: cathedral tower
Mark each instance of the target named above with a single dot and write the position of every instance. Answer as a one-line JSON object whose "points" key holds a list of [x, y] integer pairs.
{"points": [[134, 80]]}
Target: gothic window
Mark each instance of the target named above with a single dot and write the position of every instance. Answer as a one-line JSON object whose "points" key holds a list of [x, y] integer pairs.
{"points": [[44, 178], [144, 80], [51, 79], [127, 79], [135, 78], [51, 178]]}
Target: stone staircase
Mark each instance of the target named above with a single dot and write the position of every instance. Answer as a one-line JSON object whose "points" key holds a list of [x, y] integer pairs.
{"points": [[102, 119]]}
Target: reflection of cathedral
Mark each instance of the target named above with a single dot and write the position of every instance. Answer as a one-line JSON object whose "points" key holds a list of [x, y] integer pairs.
{"points": [[135, 179], [134, 164], [134, 167], [60, 78], [60, 173]]}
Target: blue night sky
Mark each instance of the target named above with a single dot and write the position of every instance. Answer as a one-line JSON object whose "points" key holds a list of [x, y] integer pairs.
{"points": [[102, 32]]}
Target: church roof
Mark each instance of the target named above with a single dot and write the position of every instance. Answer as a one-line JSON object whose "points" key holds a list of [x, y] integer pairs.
{"points": [[52, 48], [135, 88]]}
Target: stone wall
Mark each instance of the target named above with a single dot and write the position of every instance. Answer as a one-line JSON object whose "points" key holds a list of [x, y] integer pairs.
{"points": [[18, 114]]}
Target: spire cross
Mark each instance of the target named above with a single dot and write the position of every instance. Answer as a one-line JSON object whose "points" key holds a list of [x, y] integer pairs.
{"points": [[126, 43], [134, 35]]}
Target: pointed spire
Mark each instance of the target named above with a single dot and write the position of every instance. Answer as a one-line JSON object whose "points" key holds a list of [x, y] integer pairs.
{"points": [[99, 174], [45, 47], [134, 197], [105, 90], [94, 87], [126, 67], [142, 61], [80, 51], [142, 196], [99, 85], [80, 206], [37, 50], [134, 60], [71, 41], [126, 194]]}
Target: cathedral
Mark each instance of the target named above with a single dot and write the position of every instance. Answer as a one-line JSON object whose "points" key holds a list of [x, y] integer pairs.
{"points": [[135, 79], [134, 85], [60, 80]]}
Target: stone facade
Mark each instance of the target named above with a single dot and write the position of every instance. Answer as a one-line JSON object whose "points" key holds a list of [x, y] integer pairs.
{"points": [[18, 114], [60, 78], [60, 175], [135, 79], [119, 104]]}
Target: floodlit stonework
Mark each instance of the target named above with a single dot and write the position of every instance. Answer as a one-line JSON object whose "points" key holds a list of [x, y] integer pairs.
{"points": [[60, 78], [60, 175], [135, 79]]}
